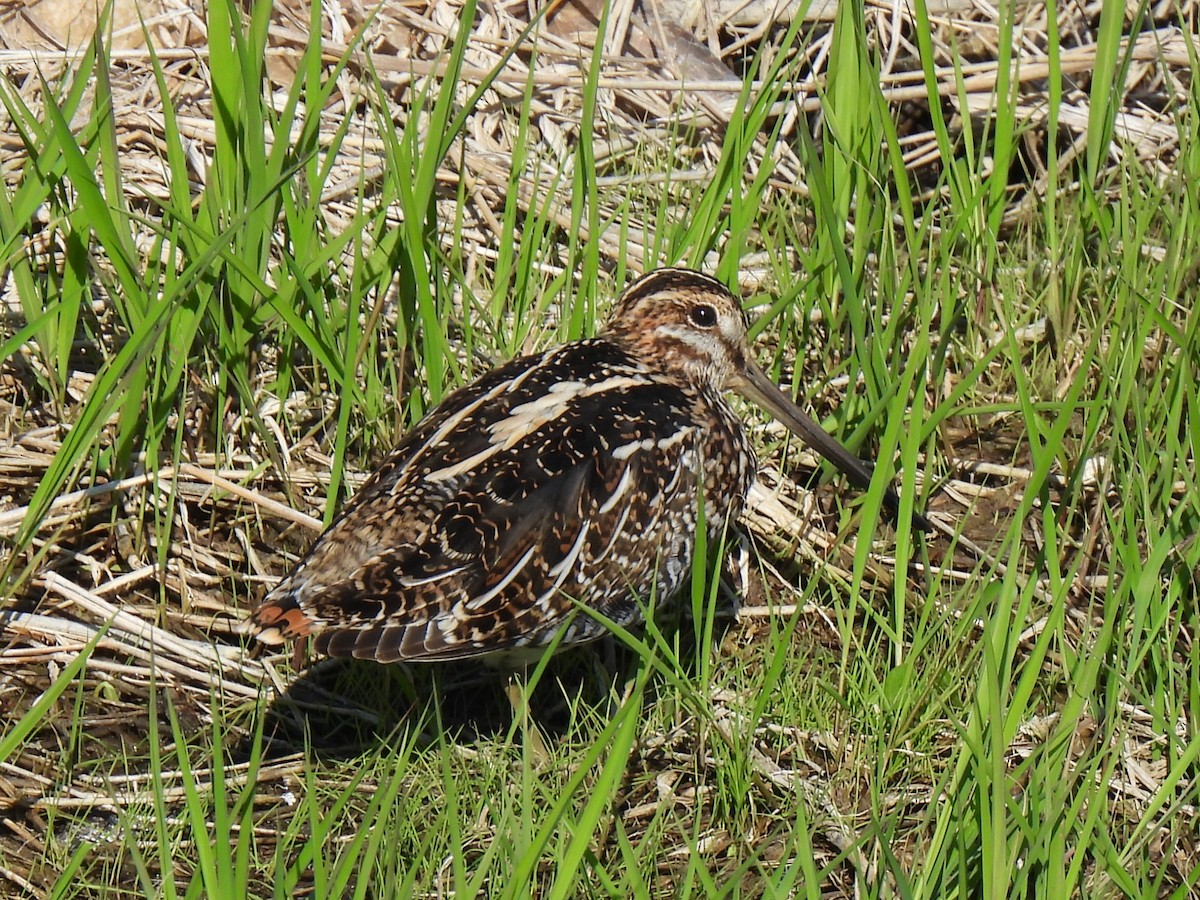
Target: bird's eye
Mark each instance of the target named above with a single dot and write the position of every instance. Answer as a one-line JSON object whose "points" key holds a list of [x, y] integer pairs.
{"points": [[703, 316]]}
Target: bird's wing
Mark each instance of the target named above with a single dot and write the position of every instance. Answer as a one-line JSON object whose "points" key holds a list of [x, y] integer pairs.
{"points": [[497, 515]]}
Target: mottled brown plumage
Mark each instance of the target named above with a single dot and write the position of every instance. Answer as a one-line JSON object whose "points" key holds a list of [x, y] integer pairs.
{"points": [[569, 476]]}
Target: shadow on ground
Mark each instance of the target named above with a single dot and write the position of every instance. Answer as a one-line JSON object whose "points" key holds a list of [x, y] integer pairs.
{"points": [[337, 708]]}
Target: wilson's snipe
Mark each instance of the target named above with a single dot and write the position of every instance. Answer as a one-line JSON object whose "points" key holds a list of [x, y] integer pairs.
{"points": [[573, 475]]}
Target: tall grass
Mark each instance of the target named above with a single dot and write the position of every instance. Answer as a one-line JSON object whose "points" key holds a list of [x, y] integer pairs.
{"points": [[982, 728]]}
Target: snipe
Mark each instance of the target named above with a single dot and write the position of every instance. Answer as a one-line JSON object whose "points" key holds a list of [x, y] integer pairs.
{"points": [[569, 476]]}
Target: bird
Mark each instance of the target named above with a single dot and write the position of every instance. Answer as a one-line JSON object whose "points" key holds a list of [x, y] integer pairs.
{"points": [[573, 476]]}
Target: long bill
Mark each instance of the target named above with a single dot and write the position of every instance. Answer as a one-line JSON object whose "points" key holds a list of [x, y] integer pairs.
{"points": [[756, 386]]}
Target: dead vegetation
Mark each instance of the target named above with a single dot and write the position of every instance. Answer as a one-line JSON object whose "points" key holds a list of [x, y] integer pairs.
{"points": [[171, 615], [665, 62]]}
